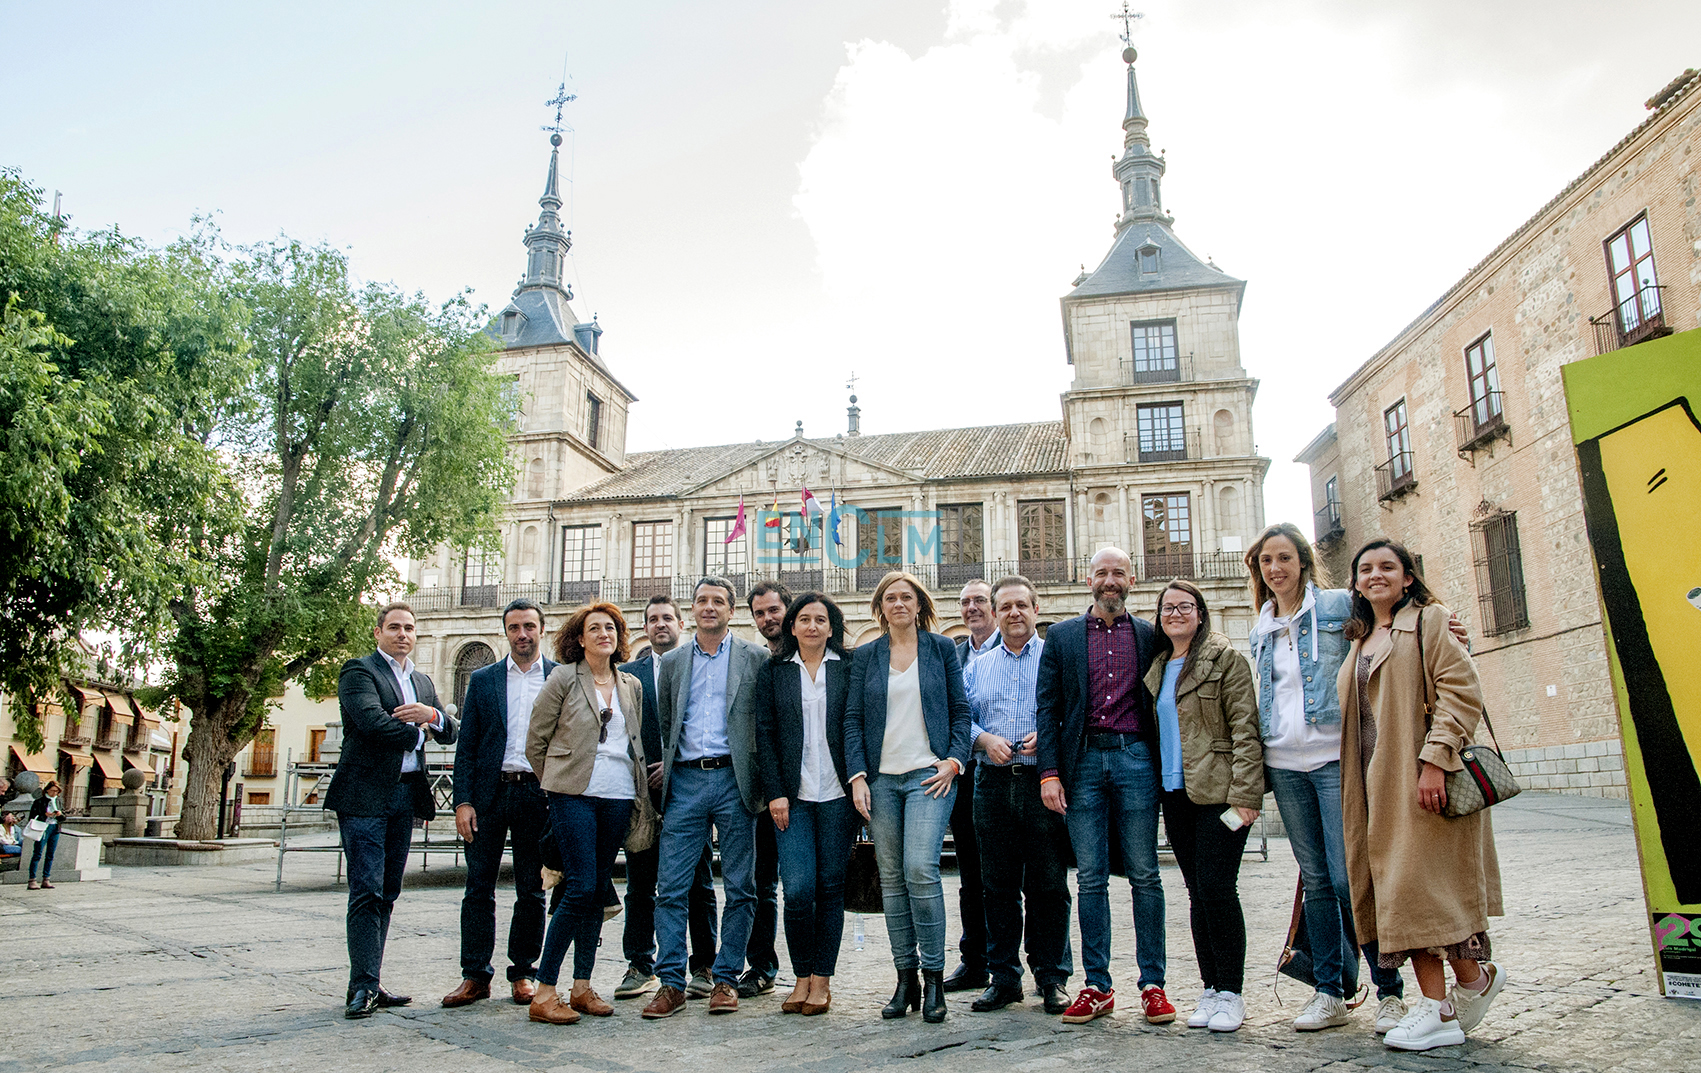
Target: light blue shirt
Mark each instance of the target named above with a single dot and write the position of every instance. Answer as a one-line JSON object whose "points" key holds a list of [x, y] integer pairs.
{"points": [[1169, 726], [704, 732], [1002, 693]]}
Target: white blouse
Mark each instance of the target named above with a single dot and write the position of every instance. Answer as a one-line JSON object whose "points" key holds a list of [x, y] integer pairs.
{"points": [[905, 747], [817, 779], [611, 775]]}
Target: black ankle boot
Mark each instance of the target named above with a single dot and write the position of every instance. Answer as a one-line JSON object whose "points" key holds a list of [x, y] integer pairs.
{"points": [[906, 997], [933, 995]]}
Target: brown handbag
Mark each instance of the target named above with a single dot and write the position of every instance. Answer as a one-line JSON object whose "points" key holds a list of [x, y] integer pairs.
{"points": [[1485, 780]]}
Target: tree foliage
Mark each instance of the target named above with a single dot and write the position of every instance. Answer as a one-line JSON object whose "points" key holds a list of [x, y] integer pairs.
{"points": [[114, 360]]}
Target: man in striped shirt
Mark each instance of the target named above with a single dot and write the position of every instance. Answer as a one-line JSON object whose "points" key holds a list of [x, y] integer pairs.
{"points": [[1026, 844]]}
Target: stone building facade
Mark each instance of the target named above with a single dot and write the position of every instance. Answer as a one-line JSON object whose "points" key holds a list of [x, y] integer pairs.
{"points": [[1154, 452], [1454, 437]]}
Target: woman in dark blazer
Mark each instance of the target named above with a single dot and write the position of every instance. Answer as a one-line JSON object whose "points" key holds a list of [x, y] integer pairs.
{"points": [[906, 741], [800, 756]]}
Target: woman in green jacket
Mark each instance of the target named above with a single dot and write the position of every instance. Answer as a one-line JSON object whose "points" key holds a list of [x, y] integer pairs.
{"points": [[1213, 779]]}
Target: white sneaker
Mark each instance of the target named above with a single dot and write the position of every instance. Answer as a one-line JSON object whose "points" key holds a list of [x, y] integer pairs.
{"points": [[1230, 1013], [1389, 1013], [1324, 1011], [1471, 1005], [1207, 1007], [1423, 1029]]}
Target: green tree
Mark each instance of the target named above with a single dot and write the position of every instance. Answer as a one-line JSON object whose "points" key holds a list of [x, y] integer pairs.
{"points": [[373, 426], [114, 361]]}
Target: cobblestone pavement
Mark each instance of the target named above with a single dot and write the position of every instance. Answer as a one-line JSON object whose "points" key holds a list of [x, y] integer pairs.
{"points": [[207, 969]]}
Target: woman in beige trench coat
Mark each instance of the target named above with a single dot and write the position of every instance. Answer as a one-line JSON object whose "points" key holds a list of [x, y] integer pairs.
{"points": [[1423, 885]]}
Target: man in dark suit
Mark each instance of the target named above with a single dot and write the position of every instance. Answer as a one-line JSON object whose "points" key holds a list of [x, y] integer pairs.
{"points": [[497, 796], [706, 698], [767, 601], [379, 789], [1097, 751], [662, 626], [971, 974]]}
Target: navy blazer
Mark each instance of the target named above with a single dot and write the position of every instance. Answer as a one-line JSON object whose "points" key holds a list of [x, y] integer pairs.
{"points": [[644, 670], [779, 725], [944, 703], [484, 736], [374, 742], [1061, 723]]}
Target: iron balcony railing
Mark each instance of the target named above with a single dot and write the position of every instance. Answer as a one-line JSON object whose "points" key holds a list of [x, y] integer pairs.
{"points": [[1177, 446], [1638, 318], [1328, 525], [1150, 371], [1480, 422], [1395, 477]]}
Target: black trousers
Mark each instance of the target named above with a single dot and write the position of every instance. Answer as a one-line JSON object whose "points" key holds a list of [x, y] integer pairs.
{"points": [[376, 850], [639, 939], [1209, 855], [971, 902], [520, 810], [1030, 866], [760, 952]]}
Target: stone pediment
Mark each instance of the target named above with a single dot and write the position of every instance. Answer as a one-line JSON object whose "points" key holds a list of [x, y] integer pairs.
{"points": [[798, 463]]}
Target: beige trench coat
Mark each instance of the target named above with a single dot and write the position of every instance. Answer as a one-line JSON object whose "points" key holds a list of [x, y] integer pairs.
{"points": [[1418, 880], [562, 744], [1222, 756]]}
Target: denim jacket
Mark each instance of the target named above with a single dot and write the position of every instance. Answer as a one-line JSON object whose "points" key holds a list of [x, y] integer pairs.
{"points": [[1321, 621]]}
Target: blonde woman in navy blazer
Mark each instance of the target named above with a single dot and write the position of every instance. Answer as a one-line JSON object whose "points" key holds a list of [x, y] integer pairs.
{"points": [[906, 741]]}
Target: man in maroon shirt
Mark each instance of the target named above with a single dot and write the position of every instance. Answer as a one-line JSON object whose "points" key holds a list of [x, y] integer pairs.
{"points": [[1098, 760]]}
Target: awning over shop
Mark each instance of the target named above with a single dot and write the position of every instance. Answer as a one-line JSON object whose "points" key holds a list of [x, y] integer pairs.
{"points": [[122, 711], [108, 766], [78, 760], [35, 762]]}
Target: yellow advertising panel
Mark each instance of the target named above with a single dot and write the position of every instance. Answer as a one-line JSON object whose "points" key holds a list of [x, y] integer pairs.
{"points": [[1634, 424]]}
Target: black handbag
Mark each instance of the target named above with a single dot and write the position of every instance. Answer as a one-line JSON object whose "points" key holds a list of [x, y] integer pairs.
{"points": [[862, 878], [1485, 780]]}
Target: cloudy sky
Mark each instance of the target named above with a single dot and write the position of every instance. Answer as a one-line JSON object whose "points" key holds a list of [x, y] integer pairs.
{"points": [[770, 194]]}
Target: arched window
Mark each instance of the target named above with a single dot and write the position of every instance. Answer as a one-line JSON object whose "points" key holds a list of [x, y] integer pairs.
{"points": [[468, 660]]}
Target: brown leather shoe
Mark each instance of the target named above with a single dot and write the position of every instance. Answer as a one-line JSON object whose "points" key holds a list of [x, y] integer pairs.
{"points": [[553, 1012], [815, 1009], [667, 1002], [588, 1001], [724, 998], [524, 992], [469, 992]]}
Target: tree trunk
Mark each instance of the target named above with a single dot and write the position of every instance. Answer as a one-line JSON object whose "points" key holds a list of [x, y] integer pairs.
{"points": [[208, 751]]}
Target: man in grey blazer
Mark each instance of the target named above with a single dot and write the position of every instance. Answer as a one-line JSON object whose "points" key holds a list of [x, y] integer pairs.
{"points": [[705, 694]]}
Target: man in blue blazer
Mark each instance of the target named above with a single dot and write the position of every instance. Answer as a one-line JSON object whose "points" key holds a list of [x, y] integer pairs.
{"points": [[378, 790], [497, 796], [1096, 734]]}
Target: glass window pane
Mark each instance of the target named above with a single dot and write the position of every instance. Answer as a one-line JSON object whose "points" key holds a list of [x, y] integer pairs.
{"points": [[1640, 244], [1620, 253]]}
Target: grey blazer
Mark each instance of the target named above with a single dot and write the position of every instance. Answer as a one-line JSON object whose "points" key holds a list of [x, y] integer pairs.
{"points": [[673, 690]]}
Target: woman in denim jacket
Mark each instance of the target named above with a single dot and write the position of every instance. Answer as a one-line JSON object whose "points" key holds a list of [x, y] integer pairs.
{"points": [[1298, 645]]}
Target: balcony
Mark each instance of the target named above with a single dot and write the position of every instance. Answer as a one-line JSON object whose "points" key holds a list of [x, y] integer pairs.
{"points": [[106, 745], [1328, 525], [1177, 446], [1480, 423], [73, 738], [1395, 477], [1637, 319], [1173, 371]]}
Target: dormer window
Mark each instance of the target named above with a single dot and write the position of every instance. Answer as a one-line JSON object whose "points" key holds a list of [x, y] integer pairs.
{"points": [[512, 321], [1147, 257]]}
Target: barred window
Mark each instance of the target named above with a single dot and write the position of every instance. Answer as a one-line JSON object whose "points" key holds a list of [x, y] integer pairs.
{"points": [[1500, 574]]}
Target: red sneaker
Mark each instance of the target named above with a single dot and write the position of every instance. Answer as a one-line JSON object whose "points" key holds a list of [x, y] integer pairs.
{"points": [[1090, 1004], [1158, 1009]]}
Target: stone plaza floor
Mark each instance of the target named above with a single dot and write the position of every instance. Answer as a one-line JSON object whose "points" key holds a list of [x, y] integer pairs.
{"points": [[207, 968]]}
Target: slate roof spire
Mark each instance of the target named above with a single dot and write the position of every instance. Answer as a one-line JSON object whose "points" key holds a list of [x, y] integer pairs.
{"points": [[1138, 172], [546, 241]]}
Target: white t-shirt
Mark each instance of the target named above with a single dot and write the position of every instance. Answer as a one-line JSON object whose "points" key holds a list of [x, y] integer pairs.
{"points": [[905, 747], [611, 775], [1293, 744]]}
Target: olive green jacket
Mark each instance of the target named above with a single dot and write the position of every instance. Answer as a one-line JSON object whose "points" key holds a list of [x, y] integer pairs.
{"points": [[1222, 756]]}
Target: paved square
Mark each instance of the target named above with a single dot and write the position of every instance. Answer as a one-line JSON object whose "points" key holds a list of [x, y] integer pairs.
{"points": [[207, 969]]}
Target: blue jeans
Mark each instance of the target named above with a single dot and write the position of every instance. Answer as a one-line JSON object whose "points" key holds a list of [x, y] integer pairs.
{"points": [[908, 826], [376, 848], [1310, 806], [589, 831], [814, 851], [48, 844], [697, 799], [1116, 790]]}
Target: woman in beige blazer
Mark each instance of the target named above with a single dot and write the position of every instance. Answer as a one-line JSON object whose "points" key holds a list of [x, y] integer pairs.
{"points": [[586, 748], [1423, 884]]}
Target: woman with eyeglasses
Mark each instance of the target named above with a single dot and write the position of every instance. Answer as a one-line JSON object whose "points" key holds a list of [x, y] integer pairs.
{"points": [[1212, 761], [589, 759]]}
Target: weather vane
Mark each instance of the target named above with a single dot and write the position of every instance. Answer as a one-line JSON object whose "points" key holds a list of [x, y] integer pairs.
{"points": [[561, 100], [850, 384], [1127, 17]]}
